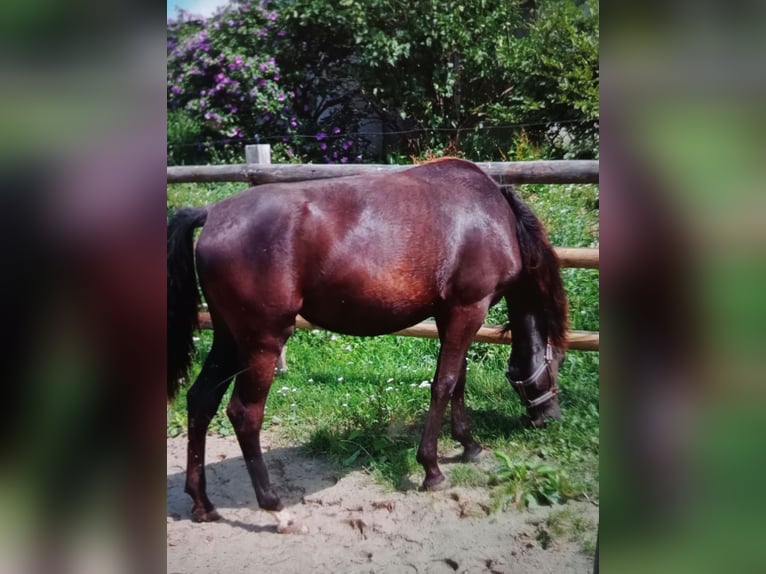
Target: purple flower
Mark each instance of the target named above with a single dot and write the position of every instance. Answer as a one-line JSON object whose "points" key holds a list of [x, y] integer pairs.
{"points": [[175, 90], [321, 136], [293, 122], [272, 16], [336, 130], [281, 33], [281, 97], [344, 159], [266, 117], [323, 146]]}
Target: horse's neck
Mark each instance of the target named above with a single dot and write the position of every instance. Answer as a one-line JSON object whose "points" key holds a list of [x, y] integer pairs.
{"points": [[528, 348]]}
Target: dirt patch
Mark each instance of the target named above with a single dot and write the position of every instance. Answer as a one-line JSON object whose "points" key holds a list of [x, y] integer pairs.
{"points": [[347, 522]]}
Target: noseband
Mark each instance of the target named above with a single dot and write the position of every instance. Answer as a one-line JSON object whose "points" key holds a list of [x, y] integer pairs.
{"points": [[520, 386]]}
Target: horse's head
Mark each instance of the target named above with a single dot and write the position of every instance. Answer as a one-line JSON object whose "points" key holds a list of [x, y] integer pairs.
{"points": [[539, 390]]}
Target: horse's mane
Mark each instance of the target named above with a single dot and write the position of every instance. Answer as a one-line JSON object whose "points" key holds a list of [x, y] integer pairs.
{"points": [[540, 283]]}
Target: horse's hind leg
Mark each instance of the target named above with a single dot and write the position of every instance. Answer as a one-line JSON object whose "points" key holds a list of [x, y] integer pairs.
{"points": [[461, 428], [202, 401], [246, 408]]}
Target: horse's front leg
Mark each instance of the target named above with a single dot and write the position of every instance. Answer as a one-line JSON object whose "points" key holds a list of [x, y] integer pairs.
{"points": [[457, 326], [461, 428], [245, 410]]}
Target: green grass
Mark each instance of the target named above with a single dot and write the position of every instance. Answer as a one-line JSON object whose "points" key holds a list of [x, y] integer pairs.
{"points": [[361, 402], [571, 525]]}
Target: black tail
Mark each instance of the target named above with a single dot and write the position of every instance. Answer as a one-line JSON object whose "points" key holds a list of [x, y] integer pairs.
{"points": [[183, 295], [541, 272]]}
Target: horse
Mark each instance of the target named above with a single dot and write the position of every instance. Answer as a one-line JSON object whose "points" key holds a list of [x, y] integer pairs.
{"points": [[361, 255]]}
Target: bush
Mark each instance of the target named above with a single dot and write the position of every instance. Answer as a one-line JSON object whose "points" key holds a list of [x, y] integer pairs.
{"points": [[437, 76]]}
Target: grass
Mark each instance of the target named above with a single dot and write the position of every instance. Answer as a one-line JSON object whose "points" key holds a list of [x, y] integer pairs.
{"points": [[570, 524], [361, 402]]}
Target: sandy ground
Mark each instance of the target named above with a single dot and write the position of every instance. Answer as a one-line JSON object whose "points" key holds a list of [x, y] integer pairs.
{"points": [[346, 522]]}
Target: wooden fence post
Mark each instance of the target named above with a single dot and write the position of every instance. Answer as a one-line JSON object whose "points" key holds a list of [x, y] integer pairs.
{"points": [[258, 153], [261, 154]]}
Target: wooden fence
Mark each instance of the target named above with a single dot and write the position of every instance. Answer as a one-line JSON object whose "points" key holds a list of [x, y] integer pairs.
{"points": [[556, 171], [260, 171]]}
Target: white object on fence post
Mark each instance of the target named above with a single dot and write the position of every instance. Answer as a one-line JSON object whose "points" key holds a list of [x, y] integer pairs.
{"points": [[261, 154], [258, 153]]}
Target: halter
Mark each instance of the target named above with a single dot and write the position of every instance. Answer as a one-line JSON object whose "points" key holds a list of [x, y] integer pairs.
{"points": [[532, 379]]}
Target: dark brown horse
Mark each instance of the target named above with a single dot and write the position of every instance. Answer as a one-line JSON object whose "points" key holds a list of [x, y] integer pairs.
{"points": [[363, 255]]}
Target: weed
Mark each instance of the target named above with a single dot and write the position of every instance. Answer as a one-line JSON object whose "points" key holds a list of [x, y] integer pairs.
{"points": [[572, 525], [527, 483]]}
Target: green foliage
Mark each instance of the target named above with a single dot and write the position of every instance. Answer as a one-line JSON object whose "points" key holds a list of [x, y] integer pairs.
{"points": [[526, 483], [183, 133], [446, 76], [554, 64], [449, 71]]}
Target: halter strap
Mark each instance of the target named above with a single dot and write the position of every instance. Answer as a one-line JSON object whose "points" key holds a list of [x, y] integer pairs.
{"points": [[547, 395]]}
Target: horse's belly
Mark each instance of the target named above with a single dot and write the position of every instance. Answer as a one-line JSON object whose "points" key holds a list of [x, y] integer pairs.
{"points": [[364, 319]]}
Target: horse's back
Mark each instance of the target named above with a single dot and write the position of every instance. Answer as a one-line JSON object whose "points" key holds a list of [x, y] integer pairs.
{"points": [[365, 254]]}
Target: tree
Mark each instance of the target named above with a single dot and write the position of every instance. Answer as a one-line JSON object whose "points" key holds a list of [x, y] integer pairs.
{"points": [[456, 72]]}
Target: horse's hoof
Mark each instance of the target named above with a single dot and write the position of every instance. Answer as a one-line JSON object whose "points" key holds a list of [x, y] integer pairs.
{"points": [[270, 502], [434, 484], [205, 515], [472, 452]]}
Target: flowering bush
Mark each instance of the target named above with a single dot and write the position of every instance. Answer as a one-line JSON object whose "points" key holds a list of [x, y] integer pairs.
{"points": [[222, 79], [226, 84]]}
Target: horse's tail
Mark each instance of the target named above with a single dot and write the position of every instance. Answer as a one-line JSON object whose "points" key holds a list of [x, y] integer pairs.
{"points": [[540, 279], [183, 295]]}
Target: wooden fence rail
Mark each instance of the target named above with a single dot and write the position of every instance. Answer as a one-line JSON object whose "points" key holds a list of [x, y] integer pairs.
{"points": [[578, 257], [578, 340], [542, 171]]}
